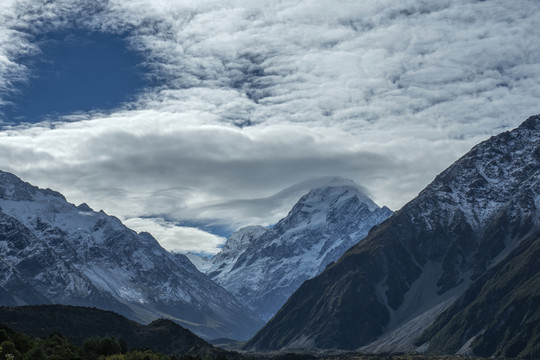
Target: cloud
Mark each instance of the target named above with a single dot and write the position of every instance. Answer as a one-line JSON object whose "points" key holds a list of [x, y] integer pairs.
{"points": [[189, 172], [270, 210], [12, 45], [252, 97], [177, 238]]}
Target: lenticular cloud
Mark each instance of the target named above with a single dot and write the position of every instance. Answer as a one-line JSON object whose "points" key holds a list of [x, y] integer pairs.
{"points": [[250, 98]]}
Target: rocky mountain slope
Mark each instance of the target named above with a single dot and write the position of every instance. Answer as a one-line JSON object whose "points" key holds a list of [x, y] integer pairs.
{"points": [[384, 292], [52, 252], [262, 267], [499, 315]]}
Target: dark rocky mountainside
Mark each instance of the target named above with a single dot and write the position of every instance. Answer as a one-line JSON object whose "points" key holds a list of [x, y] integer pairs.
{"points": [[81, 323], [499, 315], [262, 267], [385, 291], [52, 252]]}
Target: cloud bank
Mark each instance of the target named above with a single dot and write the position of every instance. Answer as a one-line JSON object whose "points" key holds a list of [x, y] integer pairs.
{"points": [[251, 98]]}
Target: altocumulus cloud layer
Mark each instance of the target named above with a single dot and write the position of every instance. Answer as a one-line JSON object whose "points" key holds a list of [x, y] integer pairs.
{"points": [[253, 97]]}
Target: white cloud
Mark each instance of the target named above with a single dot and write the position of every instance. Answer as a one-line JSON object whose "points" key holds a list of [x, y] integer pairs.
{"points": [[177, 238], [185, 171], [257, 96], [12, 45]]}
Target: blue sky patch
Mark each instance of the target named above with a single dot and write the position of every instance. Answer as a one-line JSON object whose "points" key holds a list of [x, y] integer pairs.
{"points": [[76, 72]]}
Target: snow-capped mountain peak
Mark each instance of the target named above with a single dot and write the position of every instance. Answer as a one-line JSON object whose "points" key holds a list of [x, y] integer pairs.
{"points": [[240, 240], [14, 189], [55, 252], [314, 207], [263, 266]]}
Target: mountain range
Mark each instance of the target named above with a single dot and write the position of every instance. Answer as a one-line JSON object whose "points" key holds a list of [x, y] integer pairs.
{"points": [[455, 271], [57, 253], [433, 276], [53, 252], [263, 266]]}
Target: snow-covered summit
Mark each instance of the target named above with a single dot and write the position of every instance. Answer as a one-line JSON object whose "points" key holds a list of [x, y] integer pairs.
{"points": [[480, 184], [263, 266], [14, 189], [312, 209], [237, 243]]}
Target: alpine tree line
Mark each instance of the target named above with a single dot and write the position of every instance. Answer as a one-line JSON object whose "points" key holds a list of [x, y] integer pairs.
{"points": [[18, 346]]}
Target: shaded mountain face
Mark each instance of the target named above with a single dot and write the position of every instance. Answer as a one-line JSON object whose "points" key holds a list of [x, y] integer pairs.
{"points": [[80, 323], [262, 267], [499, 315], [53, 252], [386, 290]]}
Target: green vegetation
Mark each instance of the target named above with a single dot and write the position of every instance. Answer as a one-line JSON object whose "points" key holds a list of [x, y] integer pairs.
{"points": [[18, 346], [91, 329], [124, 340], [400, 357]]}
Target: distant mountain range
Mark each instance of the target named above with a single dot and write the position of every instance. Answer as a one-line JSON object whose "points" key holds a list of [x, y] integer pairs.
{"points": [[262, 266], [58, 253], [52, 252], [454, 271]]}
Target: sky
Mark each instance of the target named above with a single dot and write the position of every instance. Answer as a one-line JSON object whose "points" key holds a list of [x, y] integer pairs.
{"points": [[191, 119]]}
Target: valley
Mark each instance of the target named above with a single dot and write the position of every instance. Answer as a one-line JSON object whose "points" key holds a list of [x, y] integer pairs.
{"points": [[452, 275]]}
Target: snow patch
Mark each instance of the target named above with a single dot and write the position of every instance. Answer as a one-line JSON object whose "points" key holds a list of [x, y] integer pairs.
{"points": [[466, 349], [202, 263], [421, 305], [402, 337]]}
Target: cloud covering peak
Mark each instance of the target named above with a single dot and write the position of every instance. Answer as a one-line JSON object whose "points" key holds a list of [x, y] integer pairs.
{"points": [[248, 98]]}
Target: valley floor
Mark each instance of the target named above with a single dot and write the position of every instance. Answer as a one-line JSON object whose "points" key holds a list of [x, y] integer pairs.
{"points": [[306, 355], [357, 356], [403, 357]]}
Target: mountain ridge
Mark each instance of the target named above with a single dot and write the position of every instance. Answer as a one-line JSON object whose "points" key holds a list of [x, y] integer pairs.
{"points": [[55, 252], [469, 218]]}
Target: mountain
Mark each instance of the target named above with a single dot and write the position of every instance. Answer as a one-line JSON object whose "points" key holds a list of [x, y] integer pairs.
{"points": [[262, 266], [499, 315], [386, 291], [53, 252], [81, 323]]}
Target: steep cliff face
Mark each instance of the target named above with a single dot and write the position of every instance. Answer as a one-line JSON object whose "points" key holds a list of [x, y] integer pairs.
{"points": [[262, 267], [387, 289], [55, 252]]}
